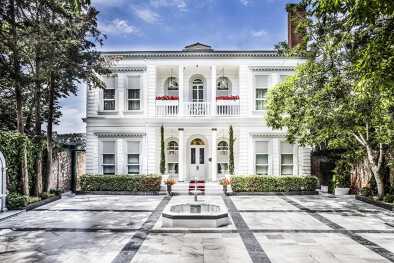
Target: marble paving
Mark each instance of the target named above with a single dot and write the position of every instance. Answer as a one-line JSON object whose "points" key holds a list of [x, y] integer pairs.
{"points": [[191, 248], [311, 248], [263, 229]]}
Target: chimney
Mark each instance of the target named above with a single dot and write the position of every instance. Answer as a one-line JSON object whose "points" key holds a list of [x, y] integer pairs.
{"points": [[295, 13]]}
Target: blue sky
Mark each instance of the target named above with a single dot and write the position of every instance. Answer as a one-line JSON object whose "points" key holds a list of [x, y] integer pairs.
{"points": [[172, 24]]}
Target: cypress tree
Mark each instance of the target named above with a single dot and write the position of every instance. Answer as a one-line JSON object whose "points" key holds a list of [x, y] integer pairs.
{"points": [[162, 154], [231, 150]]}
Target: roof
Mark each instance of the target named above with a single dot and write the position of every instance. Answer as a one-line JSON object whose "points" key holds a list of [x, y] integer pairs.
{"points": [[197, 50]]}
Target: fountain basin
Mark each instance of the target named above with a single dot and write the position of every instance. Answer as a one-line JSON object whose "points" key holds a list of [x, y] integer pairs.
{"points": [[195, 215]]}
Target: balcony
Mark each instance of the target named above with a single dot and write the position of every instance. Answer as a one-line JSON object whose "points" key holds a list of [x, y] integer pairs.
{"points": [[171, 108]]}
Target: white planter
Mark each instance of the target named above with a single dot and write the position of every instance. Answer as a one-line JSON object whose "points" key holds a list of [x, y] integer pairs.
{"points": [[324, 188], [341, 191]]}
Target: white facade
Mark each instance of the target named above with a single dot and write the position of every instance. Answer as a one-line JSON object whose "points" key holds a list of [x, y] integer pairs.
{"points": [[123, 121]]}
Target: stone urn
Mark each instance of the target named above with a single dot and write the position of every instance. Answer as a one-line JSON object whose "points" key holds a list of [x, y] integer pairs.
{"points": [[169, 189], [341, 190], [225, 189]]}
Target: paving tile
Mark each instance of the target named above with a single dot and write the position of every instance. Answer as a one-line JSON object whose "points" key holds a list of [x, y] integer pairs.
{"points": [[76, 219], [185, 248], [42, 246], [282, 221], [316, 248], [358, 221], [103, 202], [385, 240], [261, 203]]}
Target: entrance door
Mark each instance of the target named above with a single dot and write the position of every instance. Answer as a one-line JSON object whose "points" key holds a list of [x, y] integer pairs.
{"points": [[197, 160]]}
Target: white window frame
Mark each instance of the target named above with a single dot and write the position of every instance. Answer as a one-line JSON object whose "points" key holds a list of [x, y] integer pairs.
{"points": [[102, 155], [139, 156], [286, 153], [140, 99], [269, 153], [115, 99], [264, 99], [221, 149], [176, 151]]}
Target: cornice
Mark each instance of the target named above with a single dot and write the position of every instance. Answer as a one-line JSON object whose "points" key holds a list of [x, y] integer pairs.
{"points": [[272, 68], [128, 69], [190, 54], [119, 134], [268, 134]]}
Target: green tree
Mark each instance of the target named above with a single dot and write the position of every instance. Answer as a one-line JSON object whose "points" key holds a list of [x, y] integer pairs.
{"points": [[162, 151], [343, 95], [231, 150]]}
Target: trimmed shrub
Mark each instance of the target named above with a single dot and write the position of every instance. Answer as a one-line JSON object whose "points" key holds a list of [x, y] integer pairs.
{"points": [[366, 191], [130, 183], [273, 183], [16, 200], [342, 173], [388, 198]]}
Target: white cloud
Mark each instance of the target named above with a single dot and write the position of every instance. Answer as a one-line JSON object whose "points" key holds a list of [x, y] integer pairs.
{"points": [[260, 33], [244, 2], [180, 4], [73, 110], [118, 26], [148, 15]]}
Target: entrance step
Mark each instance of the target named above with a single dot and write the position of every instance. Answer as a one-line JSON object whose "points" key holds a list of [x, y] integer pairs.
{"points": [[211, 188]]}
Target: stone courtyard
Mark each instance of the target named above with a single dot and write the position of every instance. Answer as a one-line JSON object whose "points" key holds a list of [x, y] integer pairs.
{"points": [[99, 228]]}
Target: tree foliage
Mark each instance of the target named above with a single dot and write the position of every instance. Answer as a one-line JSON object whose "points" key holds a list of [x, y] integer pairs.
{"points": [[343, 95], [47, 48]]}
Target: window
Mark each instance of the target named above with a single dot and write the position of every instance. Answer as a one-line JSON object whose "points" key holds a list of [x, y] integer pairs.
{"points": [[109, 94], [223, 83], [172, 157], [261, 91], [286, 158], [172, 83], [222, 157], [262, 165], [108, 161], [133, 157], [133, 94]]}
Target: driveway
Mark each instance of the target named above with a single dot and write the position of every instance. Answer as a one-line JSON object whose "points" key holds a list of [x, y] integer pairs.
{"points": [[99, 228]]}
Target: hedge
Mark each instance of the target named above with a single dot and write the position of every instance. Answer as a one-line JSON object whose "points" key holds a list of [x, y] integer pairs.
{"points": [[129, 183], [273, 183]]}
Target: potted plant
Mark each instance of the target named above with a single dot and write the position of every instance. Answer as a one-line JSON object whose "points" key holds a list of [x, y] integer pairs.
{"points": [[225, 182], [169, 182], [342, 177]]}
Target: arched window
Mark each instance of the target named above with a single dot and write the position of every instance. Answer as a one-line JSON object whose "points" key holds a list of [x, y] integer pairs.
{"points": [[172, 146], [223, 146], [197, 141], [171, 83], [222, 157]]}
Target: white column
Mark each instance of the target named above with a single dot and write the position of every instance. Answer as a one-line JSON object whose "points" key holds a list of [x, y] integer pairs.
{"points": [[120, 156], [213, 90], [181, 90], [181, 155], [213, 155]]}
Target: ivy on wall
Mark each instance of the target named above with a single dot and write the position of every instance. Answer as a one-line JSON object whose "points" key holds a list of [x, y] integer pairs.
{"points": [[14, 145]]}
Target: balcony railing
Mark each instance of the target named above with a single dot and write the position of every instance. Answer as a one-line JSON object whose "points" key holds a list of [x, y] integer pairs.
{"points": [[197, 109], [167, 108], [227, 107], [171, 108]]}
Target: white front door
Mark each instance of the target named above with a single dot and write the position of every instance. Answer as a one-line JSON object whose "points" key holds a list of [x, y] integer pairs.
{"points": [[197, 162]]}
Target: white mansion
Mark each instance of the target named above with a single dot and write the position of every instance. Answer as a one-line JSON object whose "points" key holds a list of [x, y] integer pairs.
{"points": [[195, 94]]}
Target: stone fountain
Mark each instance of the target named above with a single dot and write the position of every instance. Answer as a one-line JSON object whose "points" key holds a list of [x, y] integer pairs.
{"points": [[197, 214]]}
